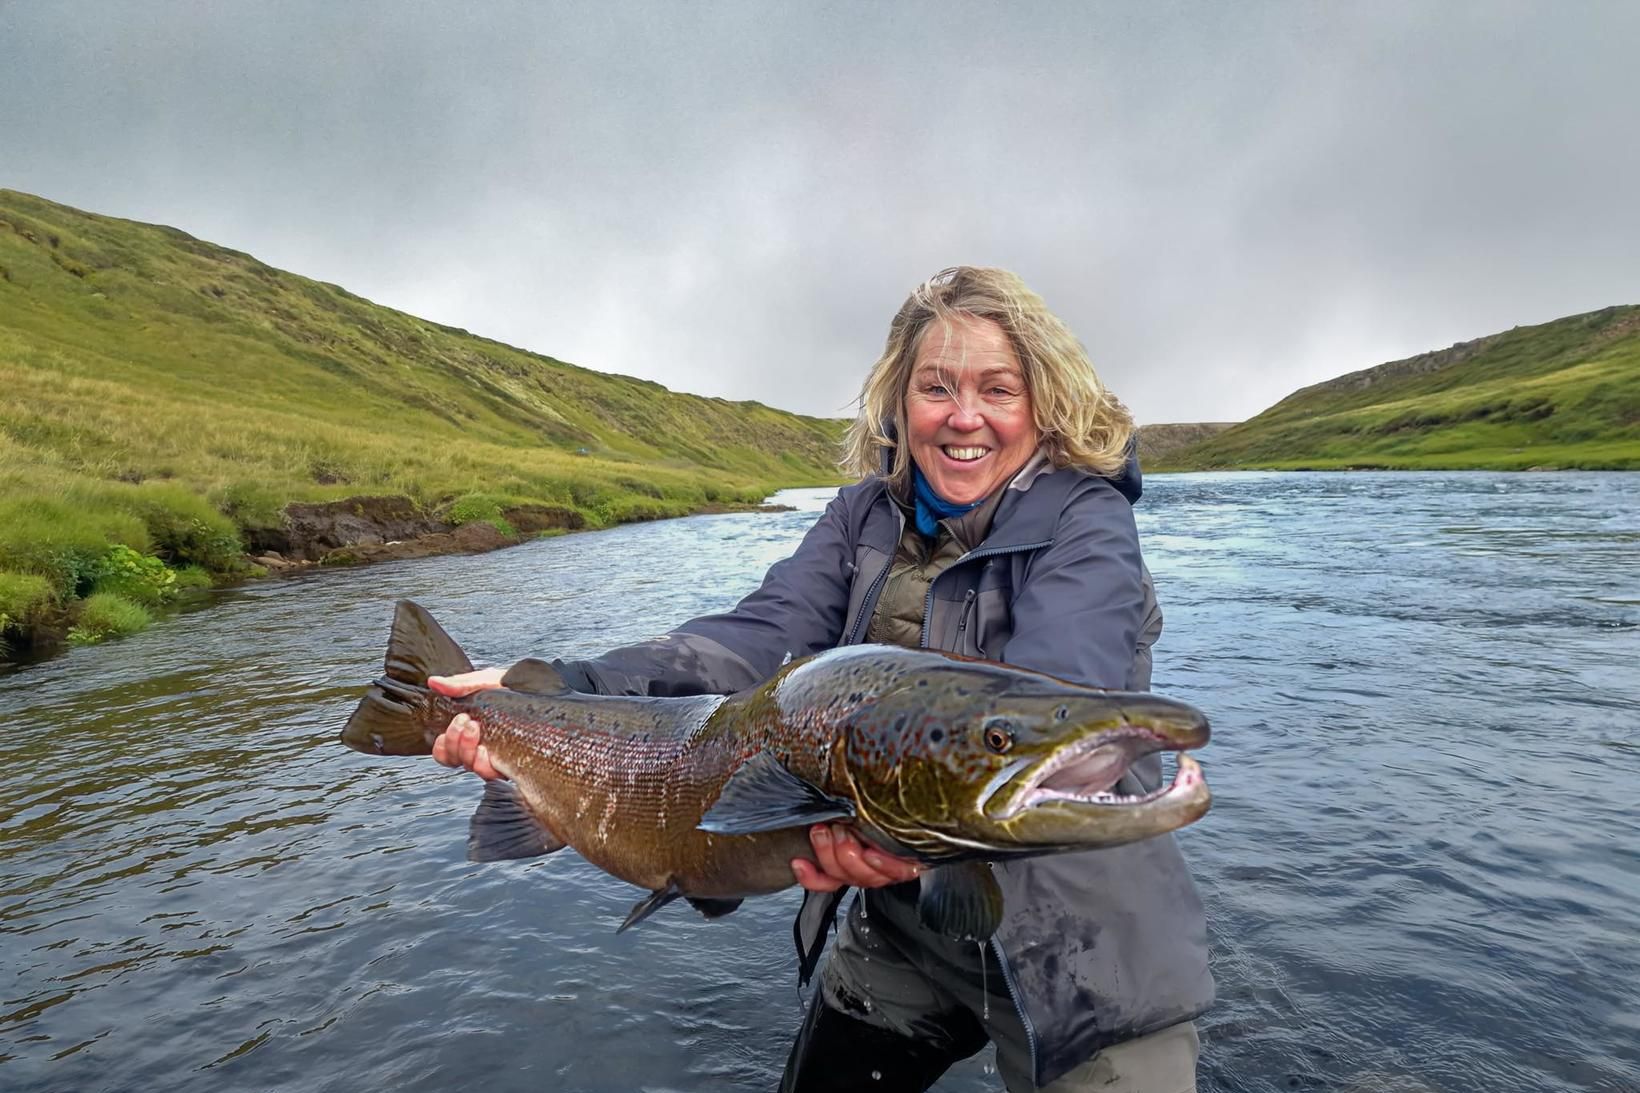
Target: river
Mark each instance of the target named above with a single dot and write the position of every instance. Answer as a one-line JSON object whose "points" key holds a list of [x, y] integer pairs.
{"points": [[1422, 868]]}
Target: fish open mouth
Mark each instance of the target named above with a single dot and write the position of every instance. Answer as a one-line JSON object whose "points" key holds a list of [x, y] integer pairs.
{"points": [[1085, 774]]}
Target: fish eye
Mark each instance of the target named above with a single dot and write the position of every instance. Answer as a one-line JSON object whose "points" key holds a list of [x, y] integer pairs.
{"points": [[999, 736]]}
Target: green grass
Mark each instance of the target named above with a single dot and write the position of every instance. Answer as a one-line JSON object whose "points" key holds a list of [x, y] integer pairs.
{"points": [[106, 615], [1564, 394], [171, 396], [23, 596]]}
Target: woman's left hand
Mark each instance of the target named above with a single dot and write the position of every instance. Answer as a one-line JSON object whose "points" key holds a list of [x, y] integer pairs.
{"points": [[841, 860]]}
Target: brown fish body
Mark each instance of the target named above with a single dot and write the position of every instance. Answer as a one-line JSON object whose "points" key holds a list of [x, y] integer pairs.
{"points": [[626, 781]]}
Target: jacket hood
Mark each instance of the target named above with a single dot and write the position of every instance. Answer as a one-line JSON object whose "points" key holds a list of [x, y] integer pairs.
{"points": [[1129, 481]]}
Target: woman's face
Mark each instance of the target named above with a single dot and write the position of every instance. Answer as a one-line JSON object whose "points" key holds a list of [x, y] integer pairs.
{"points": [[968, 415]]}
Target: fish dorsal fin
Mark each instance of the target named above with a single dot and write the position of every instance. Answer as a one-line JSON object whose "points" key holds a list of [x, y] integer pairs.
{"points": [[535, 677], [762, 795], [961, 901], [418, 647]]}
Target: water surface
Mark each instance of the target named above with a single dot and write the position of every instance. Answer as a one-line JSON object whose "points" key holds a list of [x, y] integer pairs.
{"points": [[1421, 869]]}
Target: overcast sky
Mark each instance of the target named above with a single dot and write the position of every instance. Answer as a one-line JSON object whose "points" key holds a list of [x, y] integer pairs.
{"points": [[1225, 201]]}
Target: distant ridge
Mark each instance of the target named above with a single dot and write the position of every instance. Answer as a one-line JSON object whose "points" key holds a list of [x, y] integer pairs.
{"points": [[1158, 442], [1561, 394]]}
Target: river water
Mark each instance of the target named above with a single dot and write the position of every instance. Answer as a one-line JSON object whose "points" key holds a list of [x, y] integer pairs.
{"points": [[1422, 868]]}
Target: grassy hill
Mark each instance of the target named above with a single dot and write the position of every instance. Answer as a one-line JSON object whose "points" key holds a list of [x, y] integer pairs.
{"points": [[1564, 394], [169, 397]]}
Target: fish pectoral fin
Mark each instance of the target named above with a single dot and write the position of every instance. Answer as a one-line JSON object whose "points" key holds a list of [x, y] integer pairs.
{"points": [[504, 828], [535, 677], [961, 901], [647, 906], [713, 908], [763, 795]]}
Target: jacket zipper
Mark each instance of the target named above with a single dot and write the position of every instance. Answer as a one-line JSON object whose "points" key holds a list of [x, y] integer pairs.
{"points": [[1019, 1005], [928, 601]]}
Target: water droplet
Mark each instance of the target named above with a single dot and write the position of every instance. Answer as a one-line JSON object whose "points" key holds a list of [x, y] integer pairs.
{"points": [[876, 1075]]}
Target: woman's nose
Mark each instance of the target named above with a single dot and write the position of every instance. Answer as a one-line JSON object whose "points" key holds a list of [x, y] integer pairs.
{"points": [[963, 418]]}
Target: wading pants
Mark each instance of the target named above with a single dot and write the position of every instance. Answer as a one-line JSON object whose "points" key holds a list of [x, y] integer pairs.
{"points": [[898, 1005]]}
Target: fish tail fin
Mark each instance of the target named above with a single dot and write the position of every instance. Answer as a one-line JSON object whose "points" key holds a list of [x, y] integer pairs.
{"points": [[399, 715]]}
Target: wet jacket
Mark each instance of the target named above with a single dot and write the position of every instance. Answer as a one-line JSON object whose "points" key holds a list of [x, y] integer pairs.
{"points": [[1098, 947]]}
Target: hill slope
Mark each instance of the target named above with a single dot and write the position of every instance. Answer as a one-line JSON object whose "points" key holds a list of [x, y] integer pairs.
{"points": [[1561, 394], [172, 396]]}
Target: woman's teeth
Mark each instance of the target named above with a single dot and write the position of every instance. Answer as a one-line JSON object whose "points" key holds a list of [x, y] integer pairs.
{"points": [[965, 455]]}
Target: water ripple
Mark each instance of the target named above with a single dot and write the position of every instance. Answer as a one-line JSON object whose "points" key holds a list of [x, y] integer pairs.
{"points": [[1420, 869]]}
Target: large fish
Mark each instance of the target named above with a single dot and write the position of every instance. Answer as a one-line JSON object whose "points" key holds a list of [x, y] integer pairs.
{"points": [[951, 761]]}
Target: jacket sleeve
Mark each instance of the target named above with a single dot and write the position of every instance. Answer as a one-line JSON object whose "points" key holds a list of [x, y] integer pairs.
{"points": [[1086, 611], [797, 610]]}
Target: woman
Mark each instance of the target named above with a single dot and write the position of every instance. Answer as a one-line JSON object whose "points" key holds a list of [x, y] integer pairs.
{"points": [[1000, 527]]}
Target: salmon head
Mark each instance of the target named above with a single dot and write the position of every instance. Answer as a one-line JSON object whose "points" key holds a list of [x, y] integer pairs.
{"points": [[947, 757]]}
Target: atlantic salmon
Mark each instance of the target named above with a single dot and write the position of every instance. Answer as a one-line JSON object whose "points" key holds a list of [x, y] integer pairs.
{"points": [[947, 760]]}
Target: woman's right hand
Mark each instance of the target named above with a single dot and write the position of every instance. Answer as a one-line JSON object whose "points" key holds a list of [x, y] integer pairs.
{"points": [[459, 744]]}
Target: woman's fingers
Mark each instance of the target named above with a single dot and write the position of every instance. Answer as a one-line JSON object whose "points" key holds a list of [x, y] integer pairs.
{"points": [[841, 859], [461, 745], [810, 877], [465, 683]]}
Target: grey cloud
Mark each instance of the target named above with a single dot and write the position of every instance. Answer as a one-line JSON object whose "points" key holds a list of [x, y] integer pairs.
{"points": [[1225, 201]]}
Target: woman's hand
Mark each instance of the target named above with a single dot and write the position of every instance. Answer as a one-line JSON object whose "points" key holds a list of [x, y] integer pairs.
{"points": [[843, 860], [458, 745]]}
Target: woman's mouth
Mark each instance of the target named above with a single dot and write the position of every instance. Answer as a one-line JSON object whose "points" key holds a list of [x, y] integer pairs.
{"points": [[964, 454]]}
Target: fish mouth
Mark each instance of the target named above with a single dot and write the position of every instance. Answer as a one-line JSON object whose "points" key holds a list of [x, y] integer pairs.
{"points": [[1083, 774]]}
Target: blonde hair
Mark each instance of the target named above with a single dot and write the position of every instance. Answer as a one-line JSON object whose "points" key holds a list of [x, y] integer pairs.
{"points": [[1078, 421]]}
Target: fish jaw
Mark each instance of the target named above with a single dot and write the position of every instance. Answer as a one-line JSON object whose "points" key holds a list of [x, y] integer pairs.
{"points": [[1103, 818]]}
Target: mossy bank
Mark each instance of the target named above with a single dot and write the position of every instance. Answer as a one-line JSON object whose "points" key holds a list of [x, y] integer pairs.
{"points": [[172, 405]]}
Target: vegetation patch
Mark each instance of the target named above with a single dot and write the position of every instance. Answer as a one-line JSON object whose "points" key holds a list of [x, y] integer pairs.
{"points": [[23, 596], [484, 507], [106, 615]]}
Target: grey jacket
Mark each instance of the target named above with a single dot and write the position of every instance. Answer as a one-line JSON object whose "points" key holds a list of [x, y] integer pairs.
{"points": [[1097, 947]]}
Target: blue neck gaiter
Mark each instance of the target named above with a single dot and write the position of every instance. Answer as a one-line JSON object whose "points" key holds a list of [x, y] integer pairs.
{"points": [[931, 507]]}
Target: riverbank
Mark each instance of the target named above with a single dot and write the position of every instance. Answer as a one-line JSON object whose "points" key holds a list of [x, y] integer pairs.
{"points": [[353, 531]]}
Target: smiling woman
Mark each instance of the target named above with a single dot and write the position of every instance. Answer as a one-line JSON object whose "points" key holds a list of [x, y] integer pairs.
{"points": [[1002, 528]]}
